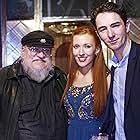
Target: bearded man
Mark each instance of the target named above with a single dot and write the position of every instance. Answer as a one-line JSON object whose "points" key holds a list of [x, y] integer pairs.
{"points": [[30, 93]]}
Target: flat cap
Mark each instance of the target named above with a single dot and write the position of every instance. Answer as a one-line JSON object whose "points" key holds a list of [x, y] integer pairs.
{"points": [[38, 39]]}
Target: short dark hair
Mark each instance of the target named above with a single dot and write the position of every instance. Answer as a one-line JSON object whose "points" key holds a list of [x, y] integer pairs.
{"points": [[108, 7]]}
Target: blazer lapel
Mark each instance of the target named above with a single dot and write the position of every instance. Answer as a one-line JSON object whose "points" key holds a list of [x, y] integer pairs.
{"points": [[129, 74]]}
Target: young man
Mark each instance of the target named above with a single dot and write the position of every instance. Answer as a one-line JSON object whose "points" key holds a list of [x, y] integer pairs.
{"points": [[112, 26], [30, 93]]}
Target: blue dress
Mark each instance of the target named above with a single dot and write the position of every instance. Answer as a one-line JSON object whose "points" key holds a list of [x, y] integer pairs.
{"points": [[82, 122]]}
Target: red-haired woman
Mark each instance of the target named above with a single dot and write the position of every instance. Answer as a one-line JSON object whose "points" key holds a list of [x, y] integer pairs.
{"points": [[87, 87]]}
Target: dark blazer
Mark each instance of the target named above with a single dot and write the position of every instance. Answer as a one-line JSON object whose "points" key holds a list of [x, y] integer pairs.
{"points": [[132, 99]]}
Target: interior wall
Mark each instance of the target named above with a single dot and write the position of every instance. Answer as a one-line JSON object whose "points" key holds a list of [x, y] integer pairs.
{"points": [[2, 30]]}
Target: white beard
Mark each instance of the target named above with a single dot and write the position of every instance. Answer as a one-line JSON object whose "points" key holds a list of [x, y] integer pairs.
{"points": [[37, 75]]}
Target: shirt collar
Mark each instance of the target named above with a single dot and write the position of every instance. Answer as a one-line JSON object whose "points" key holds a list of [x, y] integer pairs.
{"points": [[115, 62]]}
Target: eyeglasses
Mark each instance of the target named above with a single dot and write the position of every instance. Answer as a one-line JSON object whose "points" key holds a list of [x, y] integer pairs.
{"points": [[36, 50]]}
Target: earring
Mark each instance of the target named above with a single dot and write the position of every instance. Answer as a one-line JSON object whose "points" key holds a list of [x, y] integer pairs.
{"points": [[97, 51]]}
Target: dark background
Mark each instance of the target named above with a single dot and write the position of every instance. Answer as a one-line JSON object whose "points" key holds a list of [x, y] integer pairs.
{"points": [[80, 8], [131, 6], [24, 9], [70, 8], [20, 9]]}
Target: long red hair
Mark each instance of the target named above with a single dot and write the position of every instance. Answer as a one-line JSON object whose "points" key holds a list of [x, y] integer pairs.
{"points": [[99, 70]]}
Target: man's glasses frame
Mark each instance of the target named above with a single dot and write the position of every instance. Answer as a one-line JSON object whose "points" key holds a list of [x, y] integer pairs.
{"points": [[36, 50]]}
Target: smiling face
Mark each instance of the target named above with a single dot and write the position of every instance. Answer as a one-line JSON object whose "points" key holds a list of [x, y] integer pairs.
{"points": [[112, 30], [84, 50]]}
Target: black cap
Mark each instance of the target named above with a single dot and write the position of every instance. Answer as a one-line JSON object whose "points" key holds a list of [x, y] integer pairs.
{"points": [[38, 39]]}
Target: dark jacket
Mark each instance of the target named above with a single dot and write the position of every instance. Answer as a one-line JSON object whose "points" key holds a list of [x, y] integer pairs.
{"points": [[10, 98], [132, 99]]}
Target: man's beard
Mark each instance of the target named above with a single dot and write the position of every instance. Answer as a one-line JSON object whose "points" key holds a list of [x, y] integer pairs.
{"points": [[37, 75]]}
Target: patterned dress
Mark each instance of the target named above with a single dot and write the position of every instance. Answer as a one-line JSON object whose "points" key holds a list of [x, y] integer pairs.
{"points": [[82, 122]]}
